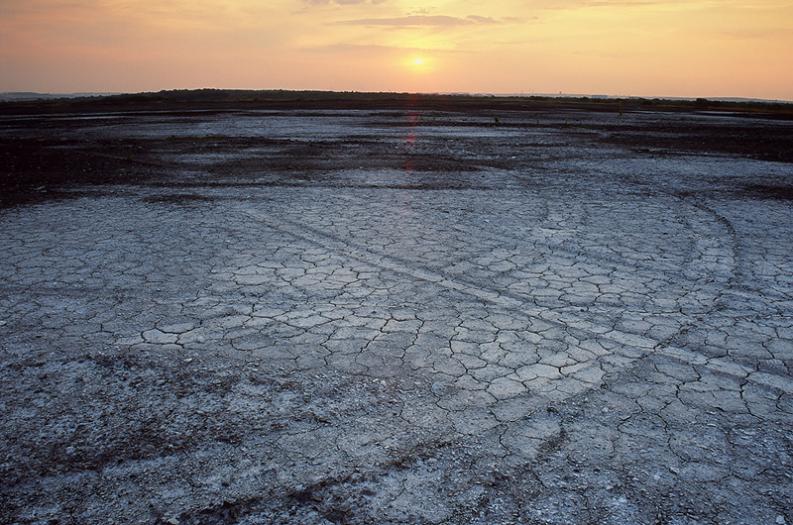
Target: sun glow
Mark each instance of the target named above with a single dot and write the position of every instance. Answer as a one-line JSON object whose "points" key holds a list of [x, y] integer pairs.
{"points": [[417, 64], [627, 47]]}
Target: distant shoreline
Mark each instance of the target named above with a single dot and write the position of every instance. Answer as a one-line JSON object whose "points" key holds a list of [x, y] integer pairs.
{"points": [[232, 99]]}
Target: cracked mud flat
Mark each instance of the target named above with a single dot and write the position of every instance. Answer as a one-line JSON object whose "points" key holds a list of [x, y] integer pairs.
{"points": [[361, 317]]}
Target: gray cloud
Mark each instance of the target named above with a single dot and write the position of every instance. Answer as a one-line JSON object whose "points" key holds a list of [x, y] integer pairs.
{"points": [[374, 48], [344, 2], [422, 21]]}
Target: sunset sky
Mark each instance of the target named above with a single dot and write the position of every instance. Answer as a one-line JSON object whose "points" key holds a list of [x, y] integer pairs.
{"points": [[622, 47]]}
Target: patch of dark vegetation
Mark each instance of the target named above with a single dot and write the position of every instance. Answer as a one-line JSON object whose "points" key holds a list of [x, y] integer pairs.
{"points": [[335, 499], [35, 170], [769, 143], [552, 444], [41, 165], [14, 196], [52, 161], [751, 191], [226, 512], [762, 191], [45, 158], [302, 160], [330, 183], [177, 198]]}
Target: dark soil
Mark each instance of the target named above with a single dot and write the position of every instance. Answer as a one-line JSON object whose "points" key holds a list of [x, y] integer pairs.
{"points": [[177, 198], [43, 157], [784, 193]]}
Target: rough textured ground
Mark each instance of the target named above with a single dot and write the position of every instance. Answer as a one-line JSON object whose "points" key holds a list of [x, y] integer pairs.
{"points": [[361, 317]]}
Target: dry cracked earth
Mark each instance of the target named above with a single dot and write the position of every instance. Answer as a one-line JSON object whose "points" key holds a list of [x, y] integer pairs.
{"points": [[359, 317]]}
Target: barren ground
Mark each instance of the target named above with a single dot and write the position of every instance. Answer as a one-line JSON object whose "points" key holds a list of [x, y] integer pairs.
{"points": [[396, 316]]}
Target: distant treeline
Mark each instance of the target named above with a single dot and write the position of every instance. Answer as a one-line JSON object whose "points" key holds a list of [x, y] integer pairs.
{"points": [[237, 99]]}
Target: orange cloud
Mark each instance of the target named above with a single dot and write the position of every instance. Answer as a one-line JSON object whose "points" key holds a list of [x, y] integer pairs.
{"points": [[639, 47]]}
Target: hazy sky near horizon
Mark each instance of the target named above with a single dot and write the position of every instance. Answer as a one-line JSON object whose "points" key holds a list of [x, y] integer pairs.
{"points": [[621, 47]]}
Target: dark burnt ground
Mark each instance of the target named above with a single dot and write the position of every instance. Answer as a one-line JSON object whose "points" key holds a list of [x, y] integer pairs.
{"points": [[784, 193], [39, 166], [177, 198], [762, 142], [462, 142]]}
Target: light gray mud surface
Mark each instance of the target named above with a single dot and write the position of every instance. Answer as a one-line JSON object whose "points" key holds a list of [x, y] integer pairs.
{"points": [[388, 317]]}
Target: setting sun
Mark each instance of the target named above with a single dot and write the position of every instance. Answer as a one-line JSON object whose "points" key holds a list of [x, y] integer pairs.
{"points": [[630, 47], [418, 64]]}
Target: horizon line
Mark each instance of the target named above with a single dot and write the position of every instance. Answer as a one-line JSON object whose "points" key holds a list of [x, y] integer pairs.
{"points": [[560, 94]]}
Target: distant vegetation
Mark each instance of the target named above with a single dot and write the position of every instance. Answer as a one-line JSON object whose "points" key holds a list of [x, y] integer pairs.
{"points": [[225, 99]]}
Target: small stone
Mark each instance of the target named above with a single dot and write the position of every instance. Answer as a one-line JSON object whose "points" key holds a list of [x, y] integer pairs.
{"points": [[780, 520]]}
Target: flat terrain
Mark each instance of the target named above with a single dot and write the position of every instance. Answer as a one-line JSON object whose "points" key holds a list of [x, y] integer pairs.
{"points": [[405, 314]]}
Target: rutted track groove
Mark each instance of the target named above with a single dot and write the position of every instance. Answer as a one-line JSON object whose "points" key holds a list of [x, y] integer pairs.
{"points": [[564, 320]]}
